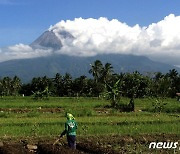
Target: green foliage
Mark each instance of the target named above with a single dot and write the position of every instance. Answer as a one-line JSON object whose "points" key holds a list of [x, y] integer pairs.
{"points": [[41, 94], [10, 86], [163, 105], [132, 85], [135, 85], [96, 70], [113, 94], [158, 105]]}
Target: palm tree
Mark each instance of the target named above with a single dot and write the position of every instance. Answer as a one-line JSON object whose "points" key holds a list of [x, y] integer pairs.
{"points": [[16, 85], [96, 70], [175, 82], [67, 84], [80, 86], [58, 84], [6, 84], [106, 72], [173, 74]]}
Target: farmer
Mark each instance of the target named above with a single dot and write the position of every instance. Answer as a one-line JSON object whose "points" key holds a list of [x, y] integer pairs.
{"points": [[70, 130]]}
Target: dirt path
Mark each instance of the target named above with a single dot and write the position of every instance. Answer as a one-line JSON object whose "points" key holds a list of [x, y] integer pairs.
{"points": [[94, 144]]}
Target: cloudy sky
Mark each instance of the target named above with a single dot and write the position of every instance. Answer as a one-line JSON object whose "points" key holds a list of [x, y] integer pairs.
{"points": [[141, 27]]}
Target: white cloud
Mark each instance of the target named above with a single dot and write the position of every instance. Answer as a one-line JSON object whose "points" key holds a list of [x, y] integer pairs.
{"points": [[21, 51], [159, 41], [98, 36]]}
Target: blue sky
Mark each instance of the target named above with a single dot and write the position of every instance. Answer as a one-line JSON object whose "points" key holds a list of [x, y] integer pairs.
{"points": [[22, 21]]}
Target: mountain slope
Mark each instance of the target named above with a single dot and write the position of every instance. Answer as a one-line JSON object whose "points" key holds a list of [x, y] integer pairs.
{"points": [[26, 69], [47, 40], [50, 40]]}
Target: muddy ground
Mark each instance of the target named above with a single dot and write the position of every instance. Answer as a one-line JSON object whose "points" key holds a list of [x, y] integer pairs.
{"points": [[92, 144]]}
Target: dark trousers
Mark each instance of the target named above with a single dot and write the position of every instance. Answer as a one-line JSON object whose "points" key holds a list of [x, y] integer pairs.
{"points": [[71, 141]]}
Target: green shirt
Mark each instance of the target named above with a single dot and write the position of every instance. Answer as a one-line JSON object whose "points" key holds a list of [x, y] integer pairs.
{"points": [[70, 127]]}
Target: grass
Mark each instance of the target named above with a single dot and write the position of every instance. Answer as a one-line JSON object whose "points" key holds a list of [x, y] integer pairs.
{"points": [[92, 117]]}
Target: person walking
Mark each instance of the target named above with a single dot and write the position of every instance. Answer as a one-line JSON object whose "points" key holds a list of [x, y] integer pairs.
{"points": [[70, 131]]}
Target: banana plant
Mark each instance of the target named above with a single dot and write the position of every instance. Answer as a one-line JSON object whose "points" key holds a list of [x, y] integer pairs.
{"points": [[113, 93]]}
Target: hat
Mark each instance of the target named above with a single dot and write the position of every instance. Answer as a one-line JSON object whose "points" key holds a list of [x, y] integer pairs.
{"points": [[70, 116]]}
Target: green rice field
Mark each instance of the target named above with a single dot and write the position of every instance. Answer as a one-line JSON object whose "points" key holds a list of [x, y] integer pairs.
{"points": [[22, 118]]}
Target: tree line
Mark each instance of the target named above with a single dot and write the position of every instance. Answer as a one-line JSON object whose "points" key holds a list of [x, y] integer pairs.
{"points": [[104, 81]]}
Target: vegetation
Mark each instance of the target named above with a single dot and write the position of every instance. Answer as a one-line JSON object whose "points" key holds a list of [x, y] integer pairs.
{"points": [[105, 83], [24, 117], [132, 85], [36, 110]]}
